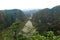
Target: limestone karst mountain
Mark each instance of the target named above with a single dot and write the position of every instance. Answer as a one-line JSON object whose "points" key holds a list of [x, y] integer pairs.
{"points": [[7, 17]]}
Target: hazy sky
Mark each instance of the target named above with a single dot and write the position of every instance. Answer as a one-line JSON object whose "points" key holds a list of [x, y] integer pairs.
{"points": [[28, 4]]}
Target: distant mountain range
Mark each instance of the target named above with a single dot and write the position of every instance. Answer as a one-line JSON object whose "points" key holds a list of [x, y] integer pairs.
{"points": [[30, 11]]}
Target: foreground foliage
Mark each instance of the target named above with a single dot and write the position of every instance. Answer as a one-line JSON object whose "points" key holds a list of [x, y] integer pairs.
{"points": [[14, 32], [8, 35]]}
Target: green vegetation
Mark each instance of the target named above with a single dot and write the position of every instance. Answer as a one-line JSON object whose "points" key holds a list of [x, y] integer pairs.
{"points": [[8, 17], [47, 20], [36, 36], [46, 25], [10, 35], [12, 32]]}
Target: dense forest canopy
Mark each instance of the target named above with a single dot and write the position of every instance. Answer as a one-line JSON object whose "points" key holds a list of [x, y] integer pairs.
{"points": [[40, 24], [47, 20], [8, 17]]}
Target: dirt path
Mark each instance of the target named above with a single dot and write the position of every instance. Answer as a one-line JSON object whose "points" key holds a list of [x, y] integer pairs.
{"points": [[28, 27]]}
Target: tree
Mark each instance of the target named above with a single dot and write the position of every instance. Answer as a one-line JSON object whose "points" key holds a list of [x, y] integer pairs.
{"points": [[13, 31]]}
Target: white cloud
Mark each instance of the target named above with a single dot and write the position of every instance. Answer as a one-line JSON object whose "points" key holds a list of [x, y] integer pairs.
{"points": [[28, 4]]}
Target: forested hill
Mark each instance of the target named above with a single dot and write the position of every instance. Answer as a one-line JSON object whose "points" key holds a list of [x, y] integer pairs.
{"points": [[47, 20], [44, 24], [7, 17]]}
